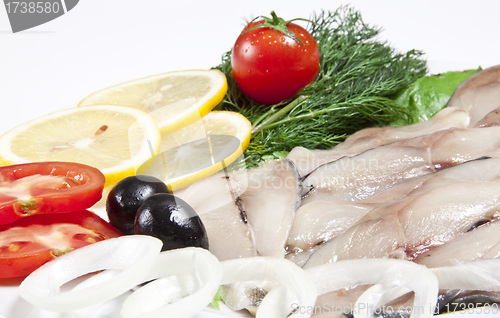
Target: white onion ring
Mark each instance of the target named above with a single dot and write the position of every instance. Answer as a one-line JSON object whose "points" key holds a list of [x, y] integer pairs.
{"points": [[187, 279], [483, 274], [295, 287], [129, 257], [391, 277]]}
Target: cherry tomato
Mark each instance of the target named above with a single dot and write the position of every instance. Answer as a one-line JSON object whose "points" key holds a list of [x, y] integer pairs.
{"points": [[270, 66], [31, 242], [47, 187]]}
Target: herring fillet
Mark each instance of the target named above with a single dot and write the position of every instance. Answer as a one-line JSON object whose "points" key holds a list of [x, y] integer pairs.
{"points": [[360, 177], [479, 94], [482, 242], [229, 236], [307, 160], [247, 212], [482, 169], [319, 221], [213, 198], [270, 202], [409, 227]]}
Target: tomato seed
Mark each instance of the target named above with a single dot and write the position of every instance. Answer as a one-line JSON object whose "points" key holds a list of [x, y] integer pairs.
{"points": [[86, 238], [13, 247]]}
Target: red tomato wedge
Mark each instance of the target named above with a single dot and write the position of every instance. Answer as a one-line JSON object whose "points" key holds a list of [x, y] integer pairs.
{"points": [[31, 242], [47, 187]]}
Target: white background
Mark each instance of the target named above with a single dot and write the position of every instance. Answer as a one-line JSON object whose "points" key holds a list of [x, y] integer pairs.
{"points": [[104, 42]]}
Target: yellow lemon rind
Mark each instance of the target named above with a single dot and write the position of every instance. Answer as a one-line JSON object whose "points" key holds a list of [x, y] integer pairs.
{"points": [[196, 113], [112, 176], [190, 179]]}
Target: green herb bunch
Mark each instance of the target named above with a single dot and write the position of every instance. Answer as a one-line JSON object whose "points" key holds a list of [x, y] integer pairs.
{"points": [[356, 86]]}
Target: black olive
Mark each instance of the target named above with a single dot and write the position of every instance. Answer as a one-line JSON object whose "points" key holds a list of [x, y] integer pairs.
{"points": [[127, 196], [172, 220]]}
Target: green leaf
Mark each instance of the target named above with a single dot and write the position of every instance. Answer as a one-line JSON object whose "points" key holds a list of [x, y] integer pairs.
{"points": [[429, 94]]}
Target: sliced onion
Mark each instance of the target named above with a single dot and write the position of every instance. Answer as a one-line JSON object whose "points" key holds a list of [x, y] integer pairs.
{"points": [[376, 296], [392, 278], [295, 289], [186, 281], [269, 307], [474, 275], [129, 257]]}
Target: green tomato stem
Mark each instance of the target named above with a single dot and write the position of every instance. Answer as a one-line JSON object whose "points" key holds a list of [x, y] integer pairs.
{"points": [[278, 24]]}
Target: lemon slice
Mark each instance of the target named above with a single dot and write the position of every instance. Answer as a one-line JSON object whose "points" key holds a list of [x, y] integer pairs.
{"points": [[173, 99], [115, 139], [201, 149]]}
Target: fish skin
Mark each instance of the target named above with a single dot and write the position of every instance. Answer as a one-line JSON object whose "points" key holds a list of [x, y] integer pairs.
{"points": [[457, 300]]}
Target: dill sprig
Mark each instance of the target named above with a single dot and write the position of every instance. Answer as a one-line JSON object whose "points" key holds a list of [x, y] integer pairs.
{"points": [[358, 79]]}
